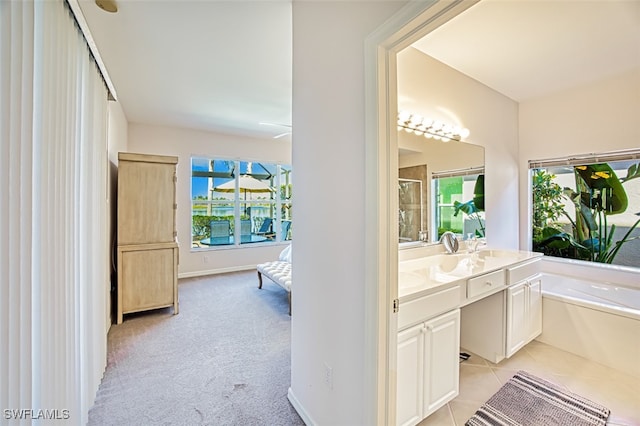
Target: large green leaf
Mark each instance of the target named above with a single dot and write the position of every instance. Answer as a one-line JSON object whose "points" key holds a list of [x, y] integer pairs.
{"points": [[467, 208], [612, 198], [555, 238], [478, 193]]}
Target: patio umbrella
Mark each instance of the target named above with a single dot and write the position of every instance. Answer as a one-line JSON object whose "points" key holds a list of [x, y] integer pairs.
{"points": [[246, 184]]}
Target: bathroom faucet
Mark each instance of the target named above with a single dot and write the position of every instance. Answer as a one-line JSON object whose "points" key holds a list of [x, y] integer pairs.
{"points": [[474, 243], [449, 241]]}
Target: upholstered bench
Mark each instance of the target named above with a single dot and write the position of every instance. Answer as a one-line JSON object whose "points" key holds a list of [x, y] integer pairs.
{"points": [[278, 271]]}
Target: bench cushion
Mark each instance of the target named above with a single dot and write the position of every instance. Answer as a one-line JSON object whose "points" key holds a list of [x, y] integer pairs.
{"points": [[278, 271]]}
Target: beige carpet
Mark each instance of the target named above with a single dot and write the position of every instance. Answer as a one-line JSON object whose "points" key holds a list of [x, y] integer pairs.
{"points": [[224, 360]]}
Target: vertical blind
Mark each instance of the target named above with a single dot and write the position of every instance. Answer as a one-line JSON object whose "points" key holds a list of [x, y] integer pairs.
{"points": [[53, 216]]}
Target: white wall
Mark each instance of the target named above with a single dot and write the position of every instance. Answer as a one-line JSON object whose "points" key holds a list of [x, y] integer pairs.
{"points": [[430, 88], [437, 155], [594, 118], [329, 158], [117, 141], [185, 143]]}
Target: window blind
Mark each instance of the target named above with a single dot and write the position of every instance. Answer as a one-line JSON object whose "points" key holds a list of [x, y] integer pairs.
{"points": [[53, 224], [631, 154], [458, 172]]}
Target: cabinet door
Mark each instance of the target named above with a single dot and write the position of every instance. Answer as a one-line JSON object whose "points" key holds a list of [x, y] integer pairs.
{"points": [[410, 382], [146, 202], [517, 331], [147, 279], [442, 360], [534, 305]]}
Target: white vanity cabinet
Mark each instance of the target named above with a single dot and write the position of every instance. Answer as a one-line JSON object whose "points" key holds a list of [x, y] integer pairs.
{"points": [[488, 302], [524, 306], [428, 370]]}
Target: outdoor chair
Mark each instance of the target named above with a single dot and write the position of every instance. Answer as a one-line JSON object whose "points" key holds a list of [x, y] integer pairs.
{"points": [[265, 228], [220, 231], [245, 230], [286, 225]]}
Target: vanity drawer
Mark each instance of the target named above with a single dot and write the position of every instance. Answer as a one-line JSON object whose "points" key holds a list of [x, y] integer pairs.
{"points": [[485, 283], [426, 307], [523, 271]]}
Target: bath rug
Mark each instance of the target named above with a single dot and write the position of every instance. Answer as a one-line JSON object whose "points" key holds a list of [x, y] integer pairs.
{"points": [[527, 400]]}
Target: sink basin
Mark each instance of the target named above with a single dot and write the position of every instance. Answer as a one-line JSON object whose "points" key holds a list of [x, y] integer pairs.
{"points": [[431, 270], [445, 262]]}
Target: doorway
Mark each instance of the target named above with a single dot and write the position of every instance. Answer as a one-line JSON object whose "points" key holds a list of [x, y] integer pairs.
{"points": [[411, 23]]}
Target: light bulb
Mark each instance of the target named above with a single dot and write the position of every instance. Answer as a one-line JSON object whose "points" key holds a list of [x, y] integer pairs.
{"points": [[403, 116], [430, 128], [416, 120]]}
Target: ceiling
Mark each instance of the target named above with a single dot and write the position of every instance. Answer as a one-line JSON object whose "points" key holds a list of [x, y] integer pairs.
{"points": [[226, 66], [526, 49], [221, 66]]}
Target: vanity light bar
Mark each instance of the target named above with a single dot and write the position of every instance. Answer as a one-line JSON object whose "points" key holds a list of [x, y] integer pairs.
{"points": [[430, 128]]}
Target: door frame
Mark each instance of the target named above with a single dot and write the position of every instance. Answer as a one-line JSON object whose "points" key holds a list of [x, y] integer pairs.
{"points": [[409, 24]]}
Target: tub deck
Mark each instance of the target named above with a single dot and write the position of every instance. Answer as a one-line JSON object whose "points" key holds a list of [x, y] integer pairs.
{"points": [[611, 298]]}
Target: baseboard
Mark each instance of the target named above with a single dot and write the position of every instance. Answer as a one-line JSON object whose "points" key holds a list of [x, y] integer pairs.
{"points": [[306, 418], [216, 271]]}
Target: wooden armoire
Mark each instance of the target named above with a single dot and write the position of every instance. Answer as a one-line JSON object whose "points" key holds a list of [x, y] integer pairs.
{"points": [[147, 238]]}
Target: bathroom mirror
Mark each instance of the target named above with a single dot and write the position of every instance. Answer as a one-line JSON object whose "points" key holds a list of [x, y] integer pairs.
{"points": [[449, 174]]}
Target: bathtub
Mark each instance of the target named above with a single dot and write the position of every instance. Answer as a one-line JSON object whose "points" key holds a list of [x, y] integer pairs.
{"points": [[597, 320], [605, 297]]}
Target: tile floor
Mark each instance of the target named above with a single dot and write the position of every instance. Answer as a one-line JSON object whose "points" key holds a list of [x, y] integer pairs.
{"points": [[480, 379]]}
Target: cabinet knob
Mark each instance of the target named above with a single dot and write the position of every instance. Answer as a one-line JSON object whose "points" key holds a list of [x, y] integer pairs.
{"points": [[430, 327], [488, 283]]}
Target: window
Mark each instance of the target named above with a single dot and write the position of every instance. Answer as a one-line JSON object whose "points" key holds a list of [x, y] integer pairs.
{"points": [[458, 202], [587, 208], [235, 203]]}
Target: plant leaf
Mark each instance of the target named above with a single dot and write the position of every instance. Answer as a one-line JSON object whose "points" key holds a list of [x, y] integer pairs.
{"points": [[601, 177], [587, 215], [468, 208], [632, 172], [478, 193]]}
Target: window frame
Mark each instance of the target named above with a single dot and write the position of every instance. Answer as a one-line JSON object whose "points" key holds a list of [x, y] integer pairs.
{"points": [[434, 210], [239, 204], [631, 156]]}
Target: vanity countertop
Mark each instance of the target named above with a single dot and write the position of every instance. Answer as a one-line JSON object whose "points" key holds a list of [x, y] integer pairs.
{"points": [[424, 275]]}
